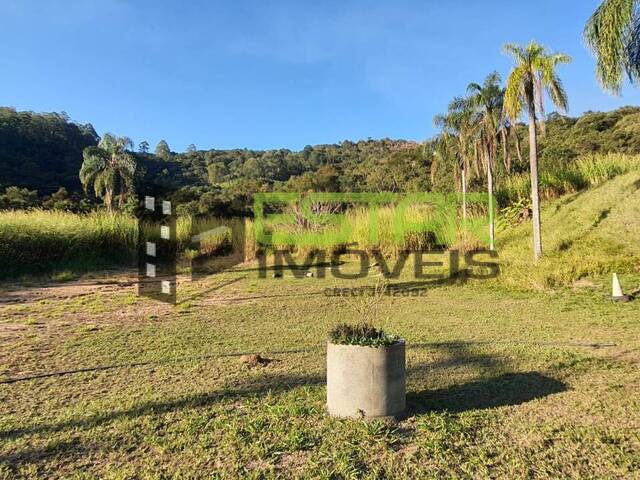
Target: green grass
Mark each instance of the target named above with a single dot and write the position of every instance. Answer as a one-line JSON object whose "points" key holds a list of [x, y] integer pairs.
{"points": [[64, 244], [588, 231], [586, 234], [40, 241], [527, 376], [501, 384], [63, 276], [584, 172]]}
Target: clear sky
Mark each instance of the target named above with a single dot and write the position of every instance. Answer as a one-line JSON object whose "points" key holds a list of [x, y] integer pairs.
{"points": [[269, 74]]}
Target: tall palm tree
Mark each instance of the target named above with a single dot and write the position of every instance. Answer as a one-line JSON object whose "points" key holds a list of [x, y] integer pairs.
{"points": [[613, 35], [109, 168], [487, 99], [532, 62]]}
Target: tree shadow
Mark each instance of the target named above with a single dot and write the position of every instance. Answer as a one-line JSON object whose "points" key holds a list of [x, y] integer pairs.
{"points": [[72, 449], [499, 391], [458, 279], [285, 267], [266, 382], [458, 354]]}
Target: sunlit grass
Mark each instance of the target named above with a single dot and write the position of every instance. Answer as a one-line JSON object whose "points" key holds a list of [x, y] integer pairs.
{"points": [[40, 240], [587, 171], [586, 234]]}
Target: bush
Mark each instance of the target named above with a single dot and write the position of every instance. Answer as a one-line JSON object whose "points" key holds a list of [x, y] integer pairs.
{"points": [[363, 334]]}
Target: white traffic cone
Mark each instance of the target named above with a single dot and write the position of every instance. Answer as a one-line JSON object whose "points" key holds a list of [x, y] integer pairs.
{"points": [[616, 290]]}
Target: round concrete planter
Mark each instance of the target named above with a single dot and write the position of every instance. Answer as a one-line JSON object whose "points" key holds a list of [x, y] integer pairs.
{"points": [[367, 382]]}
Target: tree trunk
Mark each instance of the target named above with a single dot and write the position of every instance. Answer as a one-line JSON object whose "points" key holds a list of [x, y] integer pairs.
{"points": [[492, 231], [539, 96], [535, 189], [488, 152], [517, 139], [108, 199], [464, 195], [506, 152], [476, 162]]}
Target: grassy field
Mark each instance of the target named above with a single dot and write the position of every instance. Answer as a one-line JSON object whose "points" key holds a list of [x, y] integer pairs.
{"points": [[585, 172], [500, 384], [41, 241], [534, 374]]}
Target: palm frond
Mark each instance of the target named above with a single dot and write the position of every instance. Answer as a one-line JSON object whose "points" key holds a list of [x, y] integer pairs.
{"points": [[473, 88], [513, 95], [557, 92], [515, 51], [633, 49], [606, 34]]}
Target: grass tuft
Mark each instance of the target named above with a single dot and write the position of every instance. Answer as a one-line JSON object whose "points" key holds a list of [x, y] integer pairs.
{"points": [[362, 334]]}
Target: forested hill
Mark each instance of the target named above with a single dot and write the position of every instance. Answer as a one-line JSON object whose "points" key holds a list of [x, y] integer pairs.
{"points": [[44, 152]]}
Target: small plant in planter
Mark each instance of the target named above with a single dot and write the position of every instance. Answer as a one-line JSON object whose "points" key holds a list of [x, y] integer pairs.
{"points": [[366, 375]]}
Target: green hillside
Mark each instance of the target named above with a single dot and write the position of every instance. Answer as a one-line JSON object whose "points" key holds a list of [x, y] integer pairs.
{"points": [[585, 234], [42, 151]]}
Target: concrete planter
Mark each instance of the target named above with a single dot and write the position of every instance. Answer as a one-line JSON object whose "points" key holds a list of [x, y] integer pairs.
{"points": [[367, 382]]}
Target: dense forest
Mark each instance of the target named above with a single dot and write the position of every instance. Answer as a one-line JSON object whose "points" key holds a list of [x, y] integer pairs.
{"points": [[42, 151], [41, 155]]}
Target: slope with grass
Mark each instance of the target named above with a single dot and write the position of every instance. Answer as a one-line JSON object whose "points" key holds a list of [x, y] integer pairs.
{"points": [[585, 234]]}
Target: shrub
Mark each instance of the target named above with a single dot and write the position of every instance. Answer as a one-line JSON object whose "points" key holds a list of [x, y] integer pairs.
{"points": [[363, 334]]}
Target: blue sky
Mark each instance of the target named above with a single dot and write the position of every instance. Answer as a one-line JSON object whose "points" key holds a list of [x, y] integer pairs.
{"points": [[269, 74]]}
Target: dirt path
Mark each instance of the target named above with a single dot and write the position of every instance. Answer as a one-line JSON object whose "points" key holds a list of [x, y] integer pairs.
{"points": [[12, 293]]}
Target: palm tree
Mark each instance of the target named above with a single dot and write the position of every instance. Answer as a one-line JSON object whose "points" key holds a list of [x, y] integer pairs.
{"points": [[532, 63], [487, 99], [613, 35], [446, 154], [109, 168], [458, 123]]}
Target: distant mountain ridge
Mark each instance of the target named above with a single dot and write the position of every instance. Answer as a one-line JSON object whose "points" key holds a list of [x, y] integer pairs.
{"points": [[43, 151]]}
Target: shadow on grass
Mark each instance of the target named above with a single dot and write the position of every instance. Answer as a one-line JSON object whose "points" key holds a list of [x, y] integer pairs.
{"points": [[285, 267], [495, 391], [268, 382], [458, 279], [72, 449], [457, 354], [499, 391]]}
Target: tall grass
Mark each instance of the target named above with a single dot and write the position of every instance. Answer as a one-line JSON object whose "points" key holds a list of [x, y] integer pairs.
{"points": [[423, 228], [594, 233], [39, 241], [587, 171]]}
